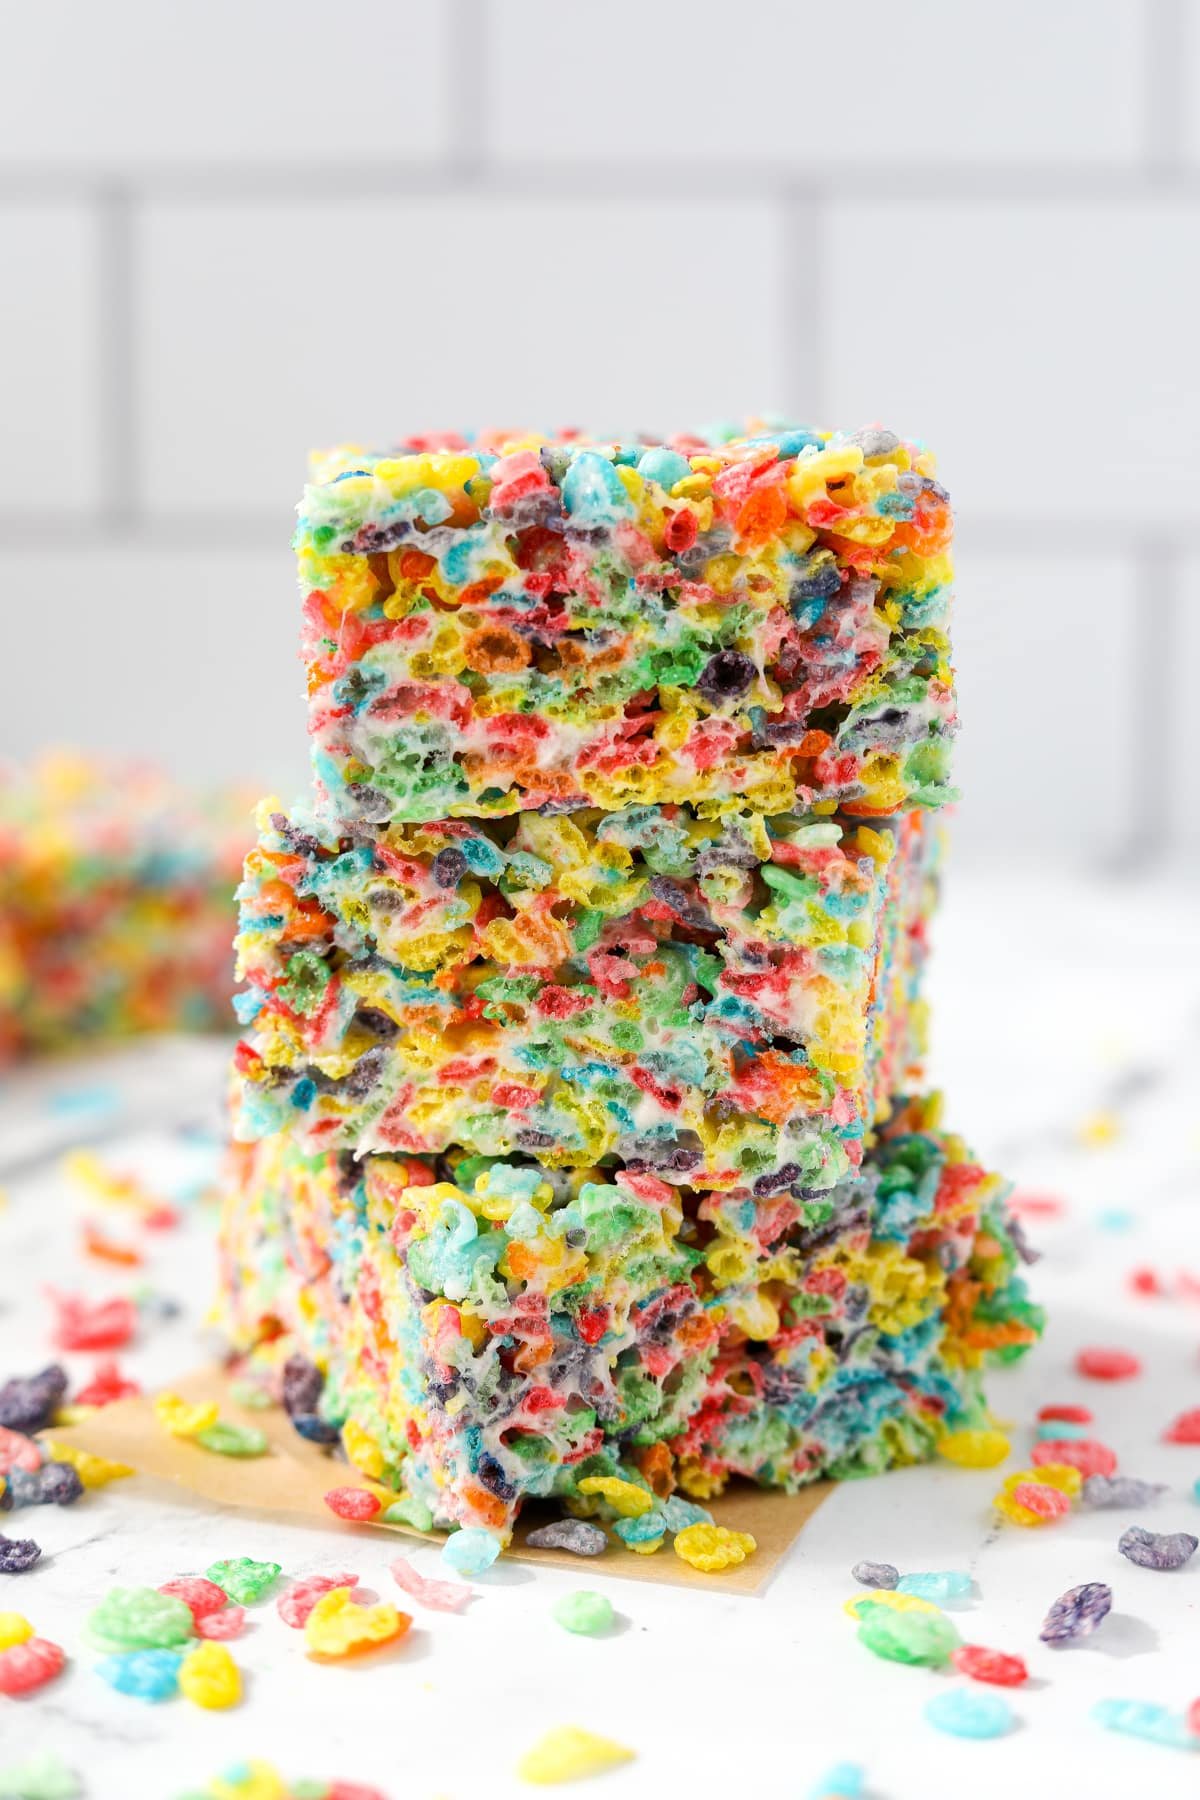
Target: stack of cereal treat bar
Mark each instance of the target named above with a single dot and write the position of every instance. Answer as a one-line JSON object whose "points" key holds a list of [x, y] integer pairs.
{"points": [[579, 1113], [116, 903]]}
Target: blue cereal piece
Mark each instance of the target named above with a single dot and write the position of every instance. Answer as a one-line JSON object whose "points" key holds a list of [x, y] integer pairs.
{"points": [[1143, 1719], [964, 1712], [470, 1551], [843, 1782], [647, 1528], [938, 1585], [146, 1674], [678, 1514]]}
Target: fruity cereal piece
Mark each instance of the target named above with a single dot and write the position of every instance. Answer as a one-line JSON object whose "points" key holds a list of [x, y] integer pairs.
{"points": [[29, 1665], [627, 1500], [181, 1419], [14, 1629], [243, 1579], [209, 1677], [568, 1753], [586, 1613], [224, 1439], [711, 1548], [295, 1605], [441, 1596], [964, 1713], [336, 1627], [199, 1595], [1077, 1613], [974, 1449], [139, 1619], [908, 1637], [18, 1452], [1107, 1365], [230, 1622], [145, 1674], [17, 1555], [353, 1503], [995, 1666], [470, 1551], [1085, 1454], [1157, 1549]]}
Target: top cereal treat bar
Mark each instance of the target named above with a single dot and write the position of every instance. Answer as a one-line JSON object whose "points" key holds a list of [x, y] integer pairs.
{"points": [[752, 621]]}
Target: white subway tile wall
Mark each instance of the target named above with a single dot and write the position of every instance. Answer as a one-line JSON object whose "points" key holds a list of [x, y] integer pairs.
{"points": [[229, 232]]}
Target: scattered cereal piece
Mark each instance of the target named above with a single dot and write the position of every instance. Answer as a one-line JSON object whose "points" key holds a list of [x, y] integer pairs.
{"points": [[17, 1555], [1107, 1365], [1061, 1430], [586, 1613], [568, 1753], [876, 1574], [92, 1325], [711, 1548], [1185, 1429], [93, 1471], [964, 1712], [938, 1585], [1086, 1455], [336, 1627], [1033, 1503], [408, 1510], [441, 1596], [994, 1666], [1071, 1415], [470, 1551], [252, 1396], [1077, 1613], [230, 1622], [858, 1605], [224, 1439], [645, 1534], [43, 1776], [14, 1629], [974, 1449], [199, 1595], [18, 1452], [626, 1498], [209, 1677], [908, 1637], [29, 1402], [574, 1535], [30, 1665], [144, 1674], [139, 1619], [843, 1782], [106, 1386], [1143, 1719], [182, 1420], [295, 1605], [353, 1503], [54, 1484], [1121, 1490], [1157, 1549], [243, 1579]]}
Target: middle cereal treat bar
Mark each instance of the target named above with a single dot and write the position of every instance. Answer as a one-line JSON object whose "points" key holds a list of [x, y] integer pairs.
{"points": [[761, 620], [725, 1003]]}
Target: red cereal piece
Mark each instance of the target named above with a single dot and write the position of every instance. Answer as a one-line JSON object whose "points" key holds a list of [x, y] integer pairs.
{"points": [[1100, 1364], [1087, 1455], [353, 1503], [1193, 1718], [994, 1666], [299, 1600], [18, 1452], [1185, 1429], [30, 1665], [92, 1325], [1038, 1497], [107, 1384], [218, 1626], [1070, 1415], [1037, 1206], [1146, 1281], [441, 1596], [199, 1595]]}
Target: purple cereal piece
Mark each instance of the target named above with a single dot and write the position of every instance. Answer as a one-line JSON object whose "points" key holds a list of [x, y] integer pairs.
{"points": [[875, 1574], [1121, 1490], [60, 1483], [1157, 1549], [17, 1555], [1077, 1613], [575, 1535], [29, 1402], [302, 1384]]}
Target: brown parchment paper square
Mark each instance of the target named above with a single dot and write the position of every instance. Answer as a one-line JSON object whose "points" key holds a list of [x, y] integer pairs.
{"points": [[295, 1476]]}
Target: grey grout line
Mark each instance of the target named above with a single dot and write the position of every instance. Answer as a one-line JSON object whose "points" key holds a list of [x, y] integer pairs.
{"points": [[466, 100], [465, 174], [1158, 603], [803, 300], [1165, 90], [116, 329]]}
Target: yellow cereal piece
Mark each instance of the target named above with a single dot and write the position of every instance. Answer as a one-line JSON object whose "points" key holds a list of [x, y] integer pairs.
{"points": [[209, 1677], [253, 1781], [362, 1450], [181, 1420], [625, 1497], [713, 1547], [14, 1629], [648, 1548], [1062, 1476], [336, 1627], [1015, 1513], [567, 1753], [974, 1449], [93, 1471], [889, 1597], [1098, 1129]]}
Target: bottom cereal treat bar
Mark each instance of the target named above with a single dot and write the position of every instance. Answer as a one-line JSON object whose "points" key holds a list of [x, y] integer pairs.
{"points": [[116, 903], [486, 1330]]}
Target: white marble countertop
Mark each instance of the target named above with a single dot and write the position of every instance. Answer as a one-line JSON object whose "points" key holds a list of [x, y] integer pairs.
{"points": [[1049, 1008]]}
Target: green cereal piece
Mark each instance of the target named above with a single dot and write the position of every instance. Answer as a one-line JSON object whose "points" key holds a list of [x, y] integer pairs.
{"points": [[584, 1612], [408, 1511], [243, 1579], [43, 1776], [232, 1440], [908, 1637], [678, 1514], [139, 1619]]}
